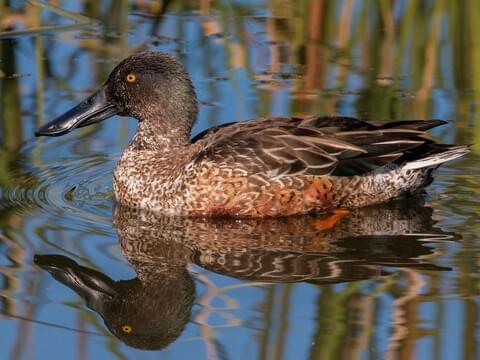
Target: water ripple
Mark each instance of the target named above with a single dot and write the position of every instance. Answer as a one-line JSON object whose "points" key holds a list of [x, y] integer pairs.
{"points": [[79, 187]]}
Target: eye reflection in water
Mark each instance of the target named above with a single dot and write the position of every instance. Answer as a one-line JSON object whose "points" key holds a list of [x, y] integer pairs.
{"points": [[151, 310]]}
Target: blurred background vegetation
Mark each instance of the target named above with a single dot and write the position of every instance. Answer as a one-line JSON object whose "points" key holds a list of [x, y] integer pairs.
{"points": [[381, 51]]}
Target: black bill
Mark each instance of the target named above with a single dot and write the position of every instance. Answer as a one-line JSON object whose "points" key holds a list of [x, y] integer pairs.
{"points": [[93, 286], [92, 110]]}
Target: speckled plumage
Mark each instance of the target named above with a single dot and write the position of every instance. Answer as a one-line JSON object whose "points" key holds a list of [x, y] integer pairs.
{"points": [[273, 166], [263, 167]]}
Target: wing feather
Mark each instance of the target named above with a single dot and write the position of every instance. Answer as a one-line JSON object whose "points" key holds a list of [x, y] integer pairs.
{"points": [[285, 146]]}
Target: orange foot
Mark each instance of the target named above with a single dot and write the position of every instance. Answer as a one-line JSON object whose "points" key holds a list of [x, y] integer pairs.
{"points": [[328, 222]]}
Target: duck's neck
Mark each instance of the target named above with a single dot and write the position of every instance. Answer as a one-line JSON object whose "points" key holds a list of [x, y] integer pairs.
{"points": [[161, 135]]}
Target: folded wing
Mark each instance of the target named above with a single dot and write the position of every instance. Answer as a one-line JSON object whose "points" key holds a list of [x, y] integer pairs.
{"points": [[340, 146]]}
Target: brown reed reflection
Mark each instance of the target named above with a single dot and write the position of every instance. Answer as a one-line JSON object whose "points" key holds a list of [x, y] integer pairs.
{"points": [[329, 38]]}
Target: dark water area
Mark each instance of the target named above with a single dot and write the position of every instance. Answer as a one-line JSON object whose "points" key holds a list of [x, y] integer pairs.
{"points": [[82, 277]]}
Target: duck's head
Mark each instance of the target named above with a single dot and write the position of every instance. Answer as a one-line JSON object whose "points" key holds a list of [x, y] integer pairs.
{"points": [[147, 314], [152, 87]]}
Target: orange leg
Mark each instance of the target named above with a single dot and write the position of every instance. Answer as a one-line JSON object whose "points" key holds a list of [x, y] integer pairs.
{"points": [[328, 222]]}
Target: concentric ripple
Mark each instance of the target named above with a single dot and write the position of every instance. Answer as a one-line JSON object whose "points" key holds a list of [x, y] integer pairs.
{"points": [[74, 186]]}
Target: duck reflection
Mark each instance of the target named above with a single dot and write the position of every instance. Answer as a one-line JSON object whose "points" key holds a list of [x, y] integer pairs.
{"points": [[151, 310]]}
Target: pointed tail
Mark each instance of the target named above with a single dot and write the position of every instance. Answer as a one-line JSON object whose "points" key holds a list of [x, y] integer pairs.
{"points": [[433, 160]]}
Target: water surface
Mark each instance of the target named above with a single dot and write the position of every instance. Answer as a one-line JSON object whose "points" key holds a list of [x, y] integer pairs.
{"points": [[81, 277]]}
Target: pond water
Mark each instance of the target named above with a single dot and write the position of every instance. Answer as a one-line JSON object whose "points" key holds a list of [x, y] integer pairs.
{"points": [[79, 275]]}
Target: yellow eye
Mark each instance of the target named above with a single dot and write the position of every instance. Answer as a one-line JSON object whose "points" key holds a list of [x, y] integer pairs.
{"points": [[131, 78], [127, 329]]}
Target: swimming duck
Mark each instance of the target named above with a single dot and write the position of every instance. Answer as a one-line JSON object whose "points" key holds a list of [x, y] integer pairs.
{"points": [[271, 166]]}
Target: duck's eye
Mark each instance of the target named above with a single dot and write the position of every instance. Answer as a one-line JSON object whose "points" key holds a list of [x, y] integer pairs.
{"points": [[131, 78], [127, 329]]}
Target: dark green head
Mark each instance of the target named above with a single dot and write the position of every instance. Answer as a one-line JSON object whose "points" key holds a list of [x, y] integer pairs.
{"points": [[152, 87]]}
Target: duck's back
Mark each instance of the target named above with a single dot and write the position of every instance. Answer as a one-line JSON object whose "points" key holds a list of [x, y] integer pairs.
{"points": [[283, 166]]}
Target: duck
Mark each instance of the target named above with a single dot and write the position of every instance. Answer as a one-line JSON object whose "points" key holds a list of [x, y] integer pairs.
{"points": [[263, 167]]}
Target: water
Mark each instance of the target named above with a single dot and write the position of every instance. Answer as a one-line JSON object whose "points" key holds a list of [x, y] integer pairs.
{"points": [[81, 277]]}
